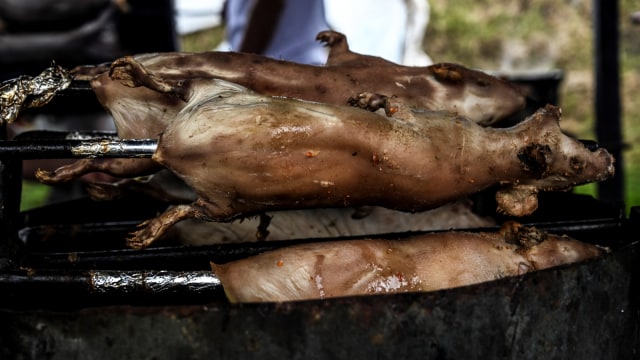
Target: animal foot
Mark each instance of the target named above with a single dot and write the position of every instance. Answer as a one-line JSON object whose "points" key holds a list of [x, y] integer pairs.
{"points": [[145, 236], [151, 230], [127, 70], [330, 38], [48, 177], [131, 73], [262, 232], [373, 102], [517, 200]]}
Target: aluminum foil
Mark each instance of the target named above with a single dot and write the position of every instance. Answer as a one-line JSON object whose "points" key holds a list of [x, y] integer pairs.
{"points": [[142, 148], [26, 92], [110, 282]]}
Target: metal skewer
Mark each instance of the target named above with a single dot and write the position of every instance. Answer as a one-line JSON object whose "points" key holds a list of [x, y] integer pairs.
{"points": [[115, 282], [62, 149]]}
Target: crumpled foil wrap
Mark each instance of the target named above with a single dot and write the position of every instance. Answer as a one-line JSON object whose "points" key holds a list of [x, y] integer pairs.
{"points": [[152, 282], [26, 91]]}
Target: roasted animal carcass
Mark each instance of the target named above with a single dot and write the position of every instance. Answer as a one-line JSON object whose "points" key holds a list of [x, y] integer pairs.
{"points": [[448, 87], [427, 262], [144, 93], [244, 153]]}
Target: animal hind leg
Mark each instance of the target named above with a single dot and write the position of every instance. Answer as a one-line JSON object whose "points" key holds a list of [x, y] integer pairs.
{"points": [[153, 229], [113, 167]]}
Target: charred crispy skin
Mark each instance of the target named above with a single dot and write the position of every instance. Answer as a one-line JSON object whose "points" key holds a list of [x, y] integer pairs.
{"points": [[374, 266], [244, 154]]}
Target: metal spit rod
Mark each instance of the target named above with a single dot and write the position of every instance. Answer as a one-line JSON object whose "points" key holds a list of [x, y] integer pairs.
{"points": [[118, 282], [62, 149]]}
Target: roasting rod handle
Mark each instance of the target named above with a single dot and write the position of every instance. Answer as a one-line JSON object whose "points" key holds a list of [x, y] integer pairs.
{"points": [[63, 149]]}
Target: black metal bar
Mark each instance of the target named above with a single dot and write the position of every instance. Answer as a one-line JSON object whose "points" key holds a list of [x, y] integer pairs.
{"points": [[10, 194], [62, 289], [607, 94], [62, 149], [119, 281]]}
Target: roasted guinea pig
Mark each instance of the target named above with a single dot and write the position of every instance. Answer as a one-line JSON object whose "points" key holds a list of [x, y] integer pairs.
{"points": [[427, 262], [146, 92], [477, 95], [245, 154]]}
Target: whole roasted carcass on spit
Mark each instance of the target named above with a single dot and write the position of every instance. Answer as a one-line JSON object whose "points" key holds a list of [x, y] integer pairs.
{"points": [[427, 262], [244, 153], [144, 93], [451, 87]]}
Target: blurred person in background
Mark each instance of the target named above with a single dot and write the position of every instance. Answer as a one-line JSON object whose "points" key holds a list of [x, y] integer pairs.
{"points": [[286, 29], [281, 29]]}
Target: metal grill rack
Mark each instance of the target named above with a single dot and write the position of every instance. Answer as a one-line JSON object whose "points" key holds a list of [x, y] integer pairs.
{"points": [[69, 288]]}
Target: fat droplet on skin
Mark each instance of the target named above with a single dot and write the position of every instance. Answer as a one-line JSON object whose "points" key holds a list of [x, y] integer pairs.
{"points": [[387, 284], [324, 183], [319, 286]]}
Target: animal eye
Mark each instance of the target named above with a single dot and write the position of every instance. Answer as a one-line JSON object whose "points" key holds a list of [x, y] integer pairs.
{"points": [[481, 83]]}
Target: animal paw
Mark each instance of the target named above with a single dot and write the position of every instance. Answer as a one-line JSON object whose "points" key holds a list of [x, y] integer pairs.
{"points": [[128, 71], [140, 239], [46, 177], [517, 200], [372, 102], [330, 38], [131, 73]]}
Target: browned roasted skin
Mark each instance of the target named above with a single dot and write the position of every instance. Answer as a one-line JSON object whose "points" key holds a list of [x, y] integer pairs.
{"points": [[144, 93], [244, 154], [448, 87], [374, 266]]}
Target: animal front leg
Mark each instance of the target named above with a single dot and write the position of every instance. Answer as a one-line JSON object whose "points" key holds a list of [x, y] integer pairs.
{"points": [[152, 229], [66, 173], [113, 167], [372, 102], [132, 73]]}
